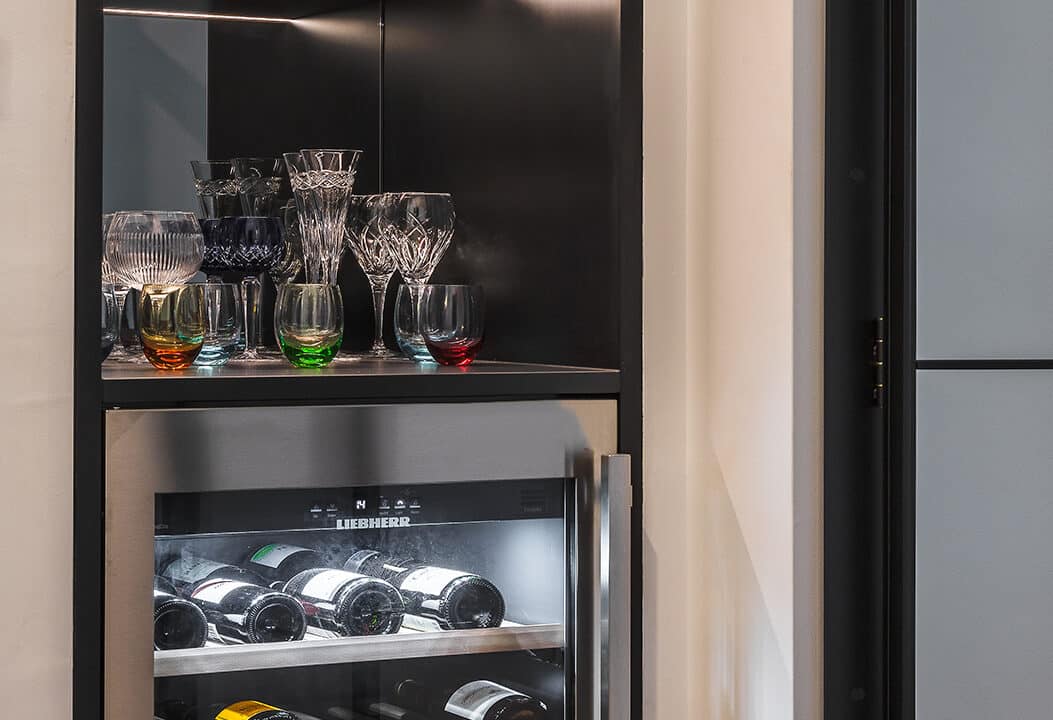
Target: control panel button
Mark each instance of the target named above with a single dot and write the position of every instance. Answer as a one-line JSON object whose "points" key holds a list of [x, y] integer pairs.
{"points": [[384, 504], [414, 503], [400, 503]]}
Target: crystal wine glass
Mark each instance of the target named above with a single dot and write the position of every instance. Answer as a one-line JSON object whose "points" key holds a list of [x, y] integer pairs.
{"points": [[292, 260], [257, 244], [366, 225], [418, 233], [120, 293], [153, 247], [263, 186], [217, 188], [321, 182], [110, 321]]}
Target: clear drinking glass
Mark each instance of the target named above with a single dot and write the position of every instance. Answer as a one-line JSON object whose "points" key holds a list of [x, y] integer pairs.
{"points": [[153, 247], [172, 324], [217, 188], [366, 224], [263, 185], [309, 323], [451, 321], [110, 320], [222, 324], [322, 181], [256, 245], [419, 231], [407, 329]]}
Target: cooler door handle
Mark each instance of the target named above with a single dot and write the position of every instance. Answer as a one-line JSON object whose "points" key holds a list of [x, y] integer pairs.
{"points": [[614, 619]]}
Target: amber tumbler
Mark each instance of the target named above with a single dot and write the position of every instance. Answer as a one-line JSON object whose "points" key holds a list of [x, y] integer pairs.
{"points": [[172, 324]]}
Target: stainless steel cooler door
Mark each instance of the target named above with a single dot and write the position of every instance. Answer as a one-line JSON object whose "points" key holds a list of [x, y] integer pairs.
{"points": [[200, 450]]}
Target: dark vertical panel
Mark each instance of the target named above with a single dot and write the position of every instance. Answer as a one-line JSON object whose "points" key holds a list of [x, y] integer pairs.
{"points": [[855, 681], [513, 108], [87, 393], [630, 232], [903, 353], [274, 88]]}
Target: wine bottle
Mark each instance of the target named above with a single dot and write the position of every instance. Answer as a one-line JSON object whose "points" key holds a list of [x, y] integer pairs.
{"points": [[278, 562], [178, 623], [347, 603], [476, 700], [242, 710], [185, 571], [248, 613], [455, 599]]}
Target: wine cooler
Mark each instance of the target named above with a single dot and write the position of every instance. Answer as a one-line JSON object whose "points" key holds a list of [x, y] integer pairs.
{"points": [[347, 562]]}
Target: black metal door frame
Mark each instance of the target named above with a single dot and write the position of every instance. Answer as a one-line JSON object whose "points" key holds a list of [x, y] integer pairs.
{"points": [[869, 366]]}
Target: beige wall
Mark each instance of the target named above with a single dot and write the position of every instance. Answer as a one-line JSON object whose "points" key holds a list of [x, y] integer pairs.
{"points": [[36, 204], [732, 275]]}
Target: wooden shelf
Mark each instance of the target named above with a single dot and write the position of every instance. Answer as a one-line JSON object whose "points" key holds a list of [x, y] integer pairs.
{"points": [[275, 381]]}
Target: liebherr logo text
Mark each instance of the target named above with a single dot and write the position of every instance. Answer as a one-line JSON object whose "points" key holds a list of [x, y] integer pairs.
{"points": [[370, 523]]}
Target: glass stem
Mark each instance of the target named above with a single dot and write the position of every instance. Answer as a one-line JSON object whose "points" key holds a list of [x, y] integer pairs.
{"points": [[130, 313], [250, 290], [379, 284], [416, 294], [121, 296]]}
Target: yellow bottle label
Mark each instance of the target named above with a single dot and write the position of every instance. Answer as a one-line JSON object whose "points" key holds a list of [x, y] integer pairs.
{"points": [[243, 710]]}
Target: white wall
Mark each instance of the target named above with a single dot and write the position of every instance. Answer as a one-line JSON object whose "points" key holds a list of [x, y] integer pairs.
{"points": [[732, 275], [36, 387]]}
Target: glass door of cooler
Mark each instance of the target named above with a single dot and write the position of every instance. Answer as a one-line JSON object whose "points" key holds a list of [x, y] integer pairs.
{"points": [[396, 562]]}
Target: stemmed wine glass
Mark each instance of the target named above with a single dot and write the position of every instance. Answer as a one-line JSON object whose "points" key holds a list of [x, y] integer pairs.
{"points": [[322, 181], [120, 293], [256, 244], [216, 187], [292, 261], [419, 229], [153, 247], [366, 224], [262, 186]]}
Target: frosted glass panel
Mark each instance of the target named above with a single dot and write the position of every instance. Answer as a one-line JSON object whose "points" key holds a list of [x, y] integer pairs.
{"points": [[985, 190], [984, 544]]}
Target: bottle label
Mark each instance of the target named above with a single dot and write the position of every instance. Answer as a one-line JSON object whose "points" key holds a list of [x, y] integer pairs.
{"points": [[430, 580], [274, 554], [326, 584], [191, 569], [243, 710], [473, 700], [214, 592]]}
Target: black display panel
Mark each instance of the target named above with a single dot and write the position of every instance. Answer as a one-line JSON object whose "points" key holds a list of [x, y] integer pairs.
{"points": [[357, 508]]}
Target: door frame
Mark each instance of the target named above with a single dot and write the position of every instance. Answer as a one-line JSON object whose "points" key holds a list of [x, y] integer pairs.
{"points": [[869, 273]]}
